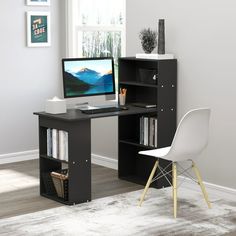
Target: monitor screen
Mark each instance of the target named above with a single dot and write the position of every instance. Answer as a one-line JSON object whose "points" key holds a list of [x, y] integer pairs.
{"points": [[88, 77]]}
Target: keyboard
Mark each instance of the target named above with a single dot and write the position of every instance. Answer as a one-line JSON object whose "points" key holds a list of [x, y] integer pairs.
{"points": [[102, 110]]}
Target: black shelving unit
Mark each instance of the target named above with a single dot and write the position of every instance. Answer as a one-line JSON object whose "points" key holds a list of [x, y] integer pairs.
{"points": [[152, 82], [79, 183]]}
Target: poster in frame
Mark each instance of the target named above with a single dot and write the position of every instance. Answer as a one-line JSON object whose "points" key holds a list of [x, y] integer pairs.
{"points": [[38, 2], [38, 29]]}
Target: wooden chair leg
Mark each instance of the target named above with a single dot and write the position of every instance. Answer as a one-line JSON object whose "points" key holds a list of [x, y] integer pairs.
{"points": [[201, 184], [174, 186], [148, 183]]}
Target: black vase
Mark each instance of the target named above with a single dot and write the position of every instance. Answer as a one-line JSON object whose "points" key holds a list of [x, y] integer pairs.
{"points": [[161, 36]]}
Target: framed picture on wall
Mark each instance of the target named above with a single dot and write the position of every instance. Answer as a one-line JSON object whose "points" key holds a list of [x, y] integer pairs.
{"points": [[38, 29], [38, 2]]}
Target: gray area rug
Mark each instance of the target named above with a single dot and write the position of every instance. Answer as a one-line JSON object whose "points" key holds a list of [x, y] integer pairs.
{"points": [[119, 215]]}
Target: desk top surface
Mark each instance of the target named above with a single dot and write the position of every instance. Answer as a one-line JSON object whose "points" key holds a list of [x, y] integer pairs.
{"points": [[76, 115]]}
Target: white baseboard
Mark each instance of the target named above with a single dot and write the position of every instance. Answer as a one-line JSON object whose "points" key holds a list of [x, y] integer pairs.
{"points": [[105, 161], [19, 156], [220, 189]]}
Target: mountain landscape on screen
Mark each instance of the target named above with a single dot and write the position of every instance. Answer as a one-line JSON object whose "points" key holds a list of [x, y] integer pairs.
{"points": [[87, 75], [87, 82]]}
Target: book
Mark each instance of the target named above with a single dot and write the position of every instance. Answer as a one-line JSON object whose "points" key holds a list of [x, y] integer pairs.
{"points": [[141, 121], [49, 142], [155, 133], [145, 130], [63, 145], [144, 105], [66, 146], [155, 56], [55, 143], [151, 131]]}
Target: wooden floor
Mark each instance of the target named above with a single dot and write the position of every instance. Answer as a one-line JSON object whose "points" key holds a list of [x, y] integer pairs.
{"points": [[19, 187]]}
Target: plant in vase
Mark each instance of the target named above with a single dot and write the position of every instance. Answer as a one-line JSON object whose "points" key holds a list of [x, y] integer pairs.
{"points": [[148, 39]]}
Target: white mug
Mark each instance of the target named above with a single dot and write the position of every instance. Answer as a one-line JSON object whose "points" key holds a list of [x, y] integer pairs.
{"points": [[122, 98]]}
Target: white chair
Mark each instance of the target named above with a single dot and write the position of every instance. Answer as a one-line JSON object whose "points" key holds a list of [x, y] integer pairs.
{"points": [[190, 139]]}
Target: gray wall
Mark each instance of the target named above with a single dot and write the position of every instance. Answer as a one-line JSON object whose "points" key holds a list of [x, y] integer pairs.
{"points": [[105, 137], [202, 35], [28, 75]]}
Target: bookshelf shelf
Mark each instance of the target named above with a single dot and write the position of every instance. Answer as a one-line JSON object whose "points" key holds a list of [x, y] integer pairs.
{"points": [[135, 143], [136, 76], [138, 84], [53, 159], [55, 198]]}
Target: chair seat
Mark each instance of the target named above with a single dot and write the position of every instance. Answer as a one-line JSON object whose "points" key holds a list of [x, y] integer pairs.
{"points": [[160, 152]]}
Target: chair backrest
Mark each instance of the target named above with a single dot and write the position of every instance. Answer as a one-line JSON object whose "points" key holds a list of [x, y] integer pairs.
{"points": [[191, 136]]}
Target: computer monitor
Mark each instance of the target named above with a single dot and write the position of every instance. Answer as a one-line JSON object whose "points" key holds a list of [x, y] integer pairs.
{"points": [[88, 77]]}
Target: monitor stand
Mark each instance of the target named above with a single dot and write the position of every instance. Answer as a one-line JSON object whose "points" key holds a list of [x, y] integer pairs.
{"points": [[83, 105]]}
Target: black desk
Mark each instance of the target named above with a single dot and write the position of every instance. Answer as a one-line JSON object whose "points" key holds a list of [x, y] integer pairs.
{"points": [[78, 126]]}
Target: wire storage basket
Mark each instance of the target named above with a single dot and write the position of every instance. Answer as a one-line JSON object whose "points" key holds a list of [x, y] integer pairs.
{"points": [[49, 188], [60, 181]]}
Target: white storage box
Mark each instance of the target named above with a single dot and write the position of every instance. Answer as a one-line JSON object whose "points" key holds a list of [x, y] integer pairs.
{"points": [[55, 106]]}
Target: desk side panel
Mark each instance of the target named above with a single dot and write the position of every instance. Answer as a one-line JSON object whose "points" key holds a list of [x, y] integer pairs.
{"points": [[80, 161]]}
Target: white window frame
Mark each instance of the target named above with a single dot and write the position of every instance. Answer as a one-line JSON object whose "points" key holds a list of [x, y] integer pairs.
{"points": [[72, 30]]}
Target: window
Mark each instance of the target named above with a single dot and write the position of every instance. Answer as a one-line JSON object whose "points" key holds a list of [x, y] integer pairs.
{"points": [[96, 28]]}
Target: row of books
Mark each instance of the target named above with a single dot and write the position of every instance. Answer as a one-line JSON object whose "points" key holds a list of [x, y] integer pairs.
{"points": [[148, 131], [57, 144]]}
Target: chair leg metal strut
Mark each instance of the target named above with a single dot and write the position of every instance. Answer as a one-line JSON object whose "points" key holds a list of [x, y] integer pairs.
{"points": [[148, 183], [201, 184]]}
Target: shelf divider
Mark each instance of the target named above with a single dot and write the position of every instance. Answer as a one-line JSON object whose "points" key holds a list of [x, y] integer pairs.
{"points": [[134, 83], [135, 143], [53, 159]]}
